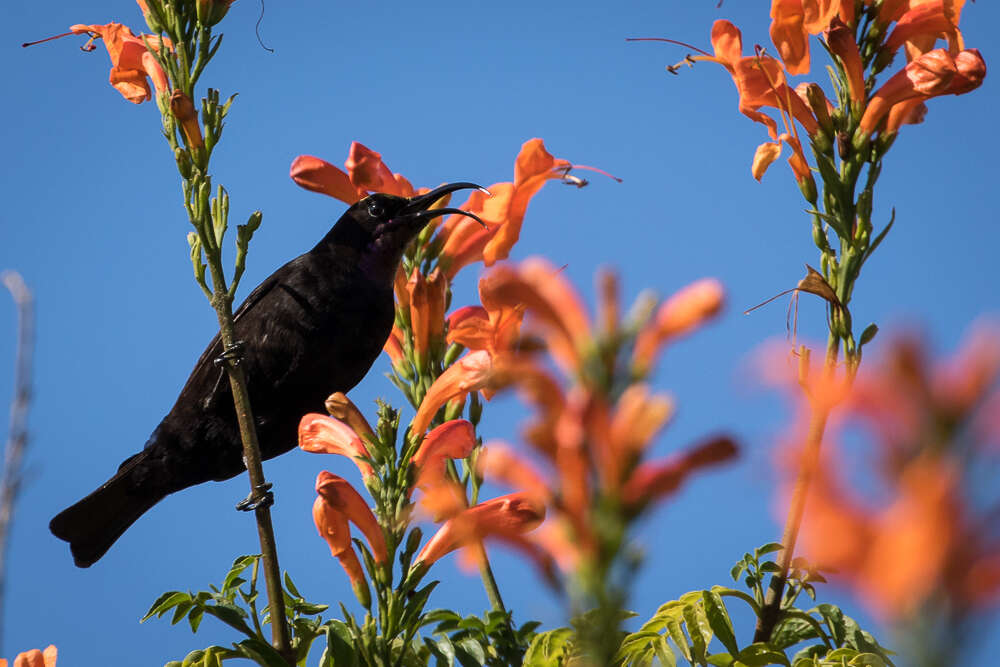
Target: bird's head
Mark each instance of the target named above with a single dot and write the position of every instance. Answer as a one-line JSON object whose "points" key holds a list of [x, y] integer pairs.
{"points": [[383, 225]]}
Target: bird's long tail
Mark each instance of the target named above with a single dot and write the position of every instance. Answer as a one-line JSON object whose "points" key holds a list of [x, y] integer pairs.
{"points": [[93, 524]]}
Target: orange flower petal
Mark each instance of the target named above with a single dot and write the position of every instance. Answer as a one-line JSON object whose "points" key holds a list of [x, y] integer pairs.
{"points": [[453, 439], [368, 172], [468, 374], [789, 35], [338, 493], [320, 176], [655, 479], [321, 434], [765, 155]]}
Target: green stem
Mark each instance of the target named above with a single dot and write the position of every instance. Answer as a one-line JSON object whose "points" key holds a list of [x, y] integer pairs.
{"points": [[770, 612], [251, 452]]}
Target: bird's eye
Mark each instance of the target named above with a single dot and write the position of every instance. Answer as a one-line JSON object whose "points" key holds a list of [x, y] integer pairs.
{"points": [[375, 210]]}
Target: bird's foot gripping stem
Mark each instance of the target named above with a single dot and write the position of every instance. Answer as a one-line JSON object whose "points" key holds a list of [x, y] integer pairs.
{"points": [[261, 496], [233, 353]]}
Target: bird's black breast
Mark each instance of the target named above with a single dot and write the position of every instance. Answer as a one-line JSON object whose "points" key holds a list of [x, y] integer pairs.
{"points": [[313, 328]]}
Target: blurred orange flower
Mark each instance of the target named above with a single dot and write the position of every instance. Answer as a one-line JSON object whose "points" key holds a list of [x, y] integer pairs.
{"points": [[506, 518], [35, 658], [927, 539]]}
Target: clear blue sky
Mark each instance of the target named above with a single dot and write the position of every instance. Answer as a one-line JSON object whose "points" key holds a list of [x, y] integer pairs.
{"points": [[445, 91]]}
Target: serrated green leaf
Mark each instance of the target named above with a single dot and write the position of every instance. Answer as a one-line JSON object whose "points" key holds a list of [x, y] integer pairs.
{"points": [[719, 621]]}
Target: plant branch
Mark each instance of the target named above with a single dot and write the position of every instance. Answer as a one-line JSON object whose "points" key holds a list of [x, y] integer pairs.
{"points": [[17, 439]]}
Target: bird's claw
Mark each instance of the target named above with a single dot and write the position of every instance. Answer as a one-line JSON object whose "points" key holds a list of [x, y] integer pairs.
{"points": [[261, 496], [233, 353]]}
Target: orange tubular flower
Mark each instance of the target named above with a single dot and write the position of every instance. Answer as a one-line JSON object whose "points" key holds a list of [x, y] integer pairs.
{"points": [[760, 80], [368, 172], [654, 479], [332, 526], [426, 298], [507, 517], [503, 213], [320, 176], [340, 495], [131, 61], [35, 658], [927, 76], [494, 326], [676, 317], [921, 25], [842, 44], [453, 439], [499, 462], [470, 373], [320, 434], [342, 408], [555, 305]]}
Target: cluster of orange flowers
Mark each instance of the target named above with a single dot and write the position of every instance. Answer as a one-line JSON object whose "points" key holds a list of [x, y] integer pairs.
{"points": [[934, 426], [913, 25], [592, 438]]}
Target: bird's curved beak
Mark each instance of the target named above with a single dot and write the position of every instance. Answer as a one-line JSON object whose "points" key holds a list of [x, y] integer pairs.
{"points": [[418, 208]]}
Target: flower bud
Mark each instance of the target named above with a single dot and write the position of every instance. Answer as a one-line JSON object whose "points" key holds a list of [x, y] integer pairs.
{"points": [[211, 12], [183, 110]]}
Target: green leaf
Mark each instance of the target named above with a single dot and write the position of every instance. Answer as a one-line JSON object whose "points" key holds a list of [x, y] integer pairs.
{"points": [[664, 653], [792, 630], [310, 609], [719, 621], [680, 639], [760, 654], [291, 587], [239, 565], [165, 602], [867, 660], [231, 615], [881, 235], [339, 646], [548, 649], [443, 650], [699, 631], [768, 548], [470, 652], [261, 652], [834, 619]]}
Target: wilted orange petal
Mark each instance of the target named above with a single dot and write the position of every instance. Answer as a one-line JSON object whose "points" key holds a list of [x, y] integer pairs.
{"points": [[338, 492], [764, 157], [321, 434], [320, 176]]}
